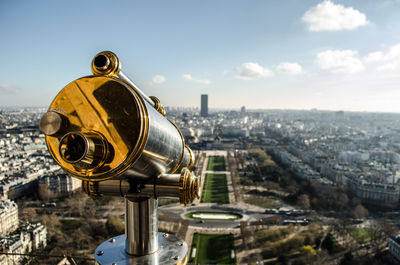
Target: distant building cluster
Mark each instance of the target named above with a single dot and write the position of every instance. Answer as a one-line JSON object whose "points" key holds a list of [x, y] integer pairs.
{"points": [[357, 150], [204, 131], [18, 239], [24, 158], [59, 183], [360, 151], [8, 217]]}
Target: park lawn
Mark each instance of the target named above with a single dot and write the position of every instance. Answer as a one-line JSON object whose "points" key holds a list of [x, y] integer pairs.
{"points": [[216, 163], [69, 225], [215, 189], [212, 249], [361, 235]]}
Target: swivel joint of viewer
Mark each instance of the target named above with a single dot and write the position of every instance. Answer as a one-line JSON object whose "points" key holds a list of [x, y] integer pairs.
{"points": [[105, 131]]}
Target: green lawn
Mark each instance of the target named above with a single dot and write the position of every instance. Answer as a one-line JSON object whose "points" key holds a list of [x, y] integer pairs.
{"points": [[361, 235], [69, 225], [215, 189], [216, 163], [212, 249]]}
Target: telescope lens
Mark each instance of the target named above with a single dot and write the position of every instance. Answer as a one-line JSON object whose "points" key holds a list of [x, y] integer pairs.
{"points": [[101, 62], [73, 147]]}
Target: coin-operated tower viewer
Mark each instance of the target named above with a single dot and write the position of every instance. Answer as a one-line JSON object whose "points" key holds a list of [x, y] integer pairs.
{"points": [[105, 131]]}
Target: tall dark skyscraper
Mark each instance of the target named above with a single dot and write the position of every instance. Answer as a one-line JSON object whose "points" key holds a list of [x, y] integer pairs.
{"points": [[204, 106]]}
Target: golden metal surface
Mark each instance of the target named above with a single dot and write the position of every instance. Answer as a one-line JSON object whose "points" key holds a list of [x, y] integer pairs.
{"points": [[157, 105], [100, 126], [91, 188], [110, 64], [192, 158], [107, 106], [84, 149], [188, 187]]}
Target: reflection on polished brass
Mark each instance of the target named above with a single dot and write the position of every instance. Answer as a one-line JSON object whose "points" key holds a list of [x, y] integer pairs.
{"points": [[106, 63], [184, 186], [90, 188], [87, 150], [188, 159], [157, 105], [192, 158], [137, 139], [90, 104], [188, 187]]}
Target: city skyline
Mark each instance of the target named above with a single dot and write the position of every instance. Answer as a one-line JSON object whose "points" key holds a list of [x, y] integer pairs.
{"points": [[328, 55]]}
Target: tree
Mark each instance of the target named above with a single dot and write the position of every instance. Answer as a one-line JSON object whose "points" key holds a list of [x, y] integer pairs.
{"points": [[308, 250], [303, 201], [27, 214], [360, 212], [114, 225], [341, 199], [347, 259], [44, 193]]}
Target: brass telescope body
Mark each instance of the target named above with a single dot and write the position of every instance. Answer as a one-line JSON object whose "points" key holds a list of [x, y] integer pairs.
{"points": [[138, 136], [103, 126], [105, 131]]}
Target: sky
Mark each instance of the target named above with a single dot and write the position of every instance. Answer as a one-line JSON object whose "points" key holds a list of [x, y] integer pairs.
{"points": [[293, 54]]}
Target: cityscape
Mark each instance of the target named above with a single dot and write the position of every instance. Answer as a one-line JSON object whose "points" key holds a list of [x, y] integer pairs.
{"points": [[278, 187], [200, 132]]}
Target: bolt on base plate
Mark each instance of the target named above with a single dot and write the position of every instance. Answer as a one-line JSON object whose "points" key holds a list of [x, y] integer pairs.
{"points": [[172, 250]]}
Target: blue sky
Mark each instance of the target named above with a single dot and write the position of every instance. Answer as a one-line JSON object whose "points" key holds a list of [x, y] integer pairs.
{"points": [[293, 54]]}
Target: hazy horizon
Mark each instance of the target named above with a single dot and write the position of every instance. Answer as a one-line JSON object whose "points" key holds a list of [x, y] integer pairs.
{"points": [[238, 109]]}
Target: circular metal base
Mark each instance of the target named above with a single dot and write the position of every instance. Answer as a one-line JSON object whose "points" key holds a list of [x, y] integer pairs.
{"points": [[171, 250]]}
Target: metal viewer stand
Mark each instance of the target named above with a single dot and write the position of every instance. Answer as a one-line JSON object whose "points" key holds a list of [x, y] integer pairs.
{"points": [[107, 132], [142, 243]]}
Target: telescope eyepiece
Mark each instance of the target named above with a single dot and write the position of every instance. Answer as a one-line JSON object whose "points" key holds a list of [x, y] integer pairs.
{"points": [[73, 147], [101, 62], [86, 151]]}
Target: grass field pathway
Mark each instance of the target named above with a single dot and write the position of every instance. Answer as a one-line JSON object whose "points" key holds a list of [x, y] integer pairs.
{"points": [[216, 187], [216, 179]]}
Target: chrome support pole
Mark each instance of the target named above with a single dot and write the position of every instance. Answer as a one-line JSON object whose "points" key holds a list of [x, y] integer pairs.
{"points": [[141, 226]]}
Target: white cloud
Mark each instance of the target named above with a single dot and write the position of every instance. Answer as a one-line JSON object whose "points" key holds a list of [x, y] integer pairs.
{"points": [[327, 16], [248, 71], [203, 81], [7, 89], [189, 77], [394, 52], [158, 79], [340, 61], [387, 67], [374, 57], [289, 68], [388, 61]]}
